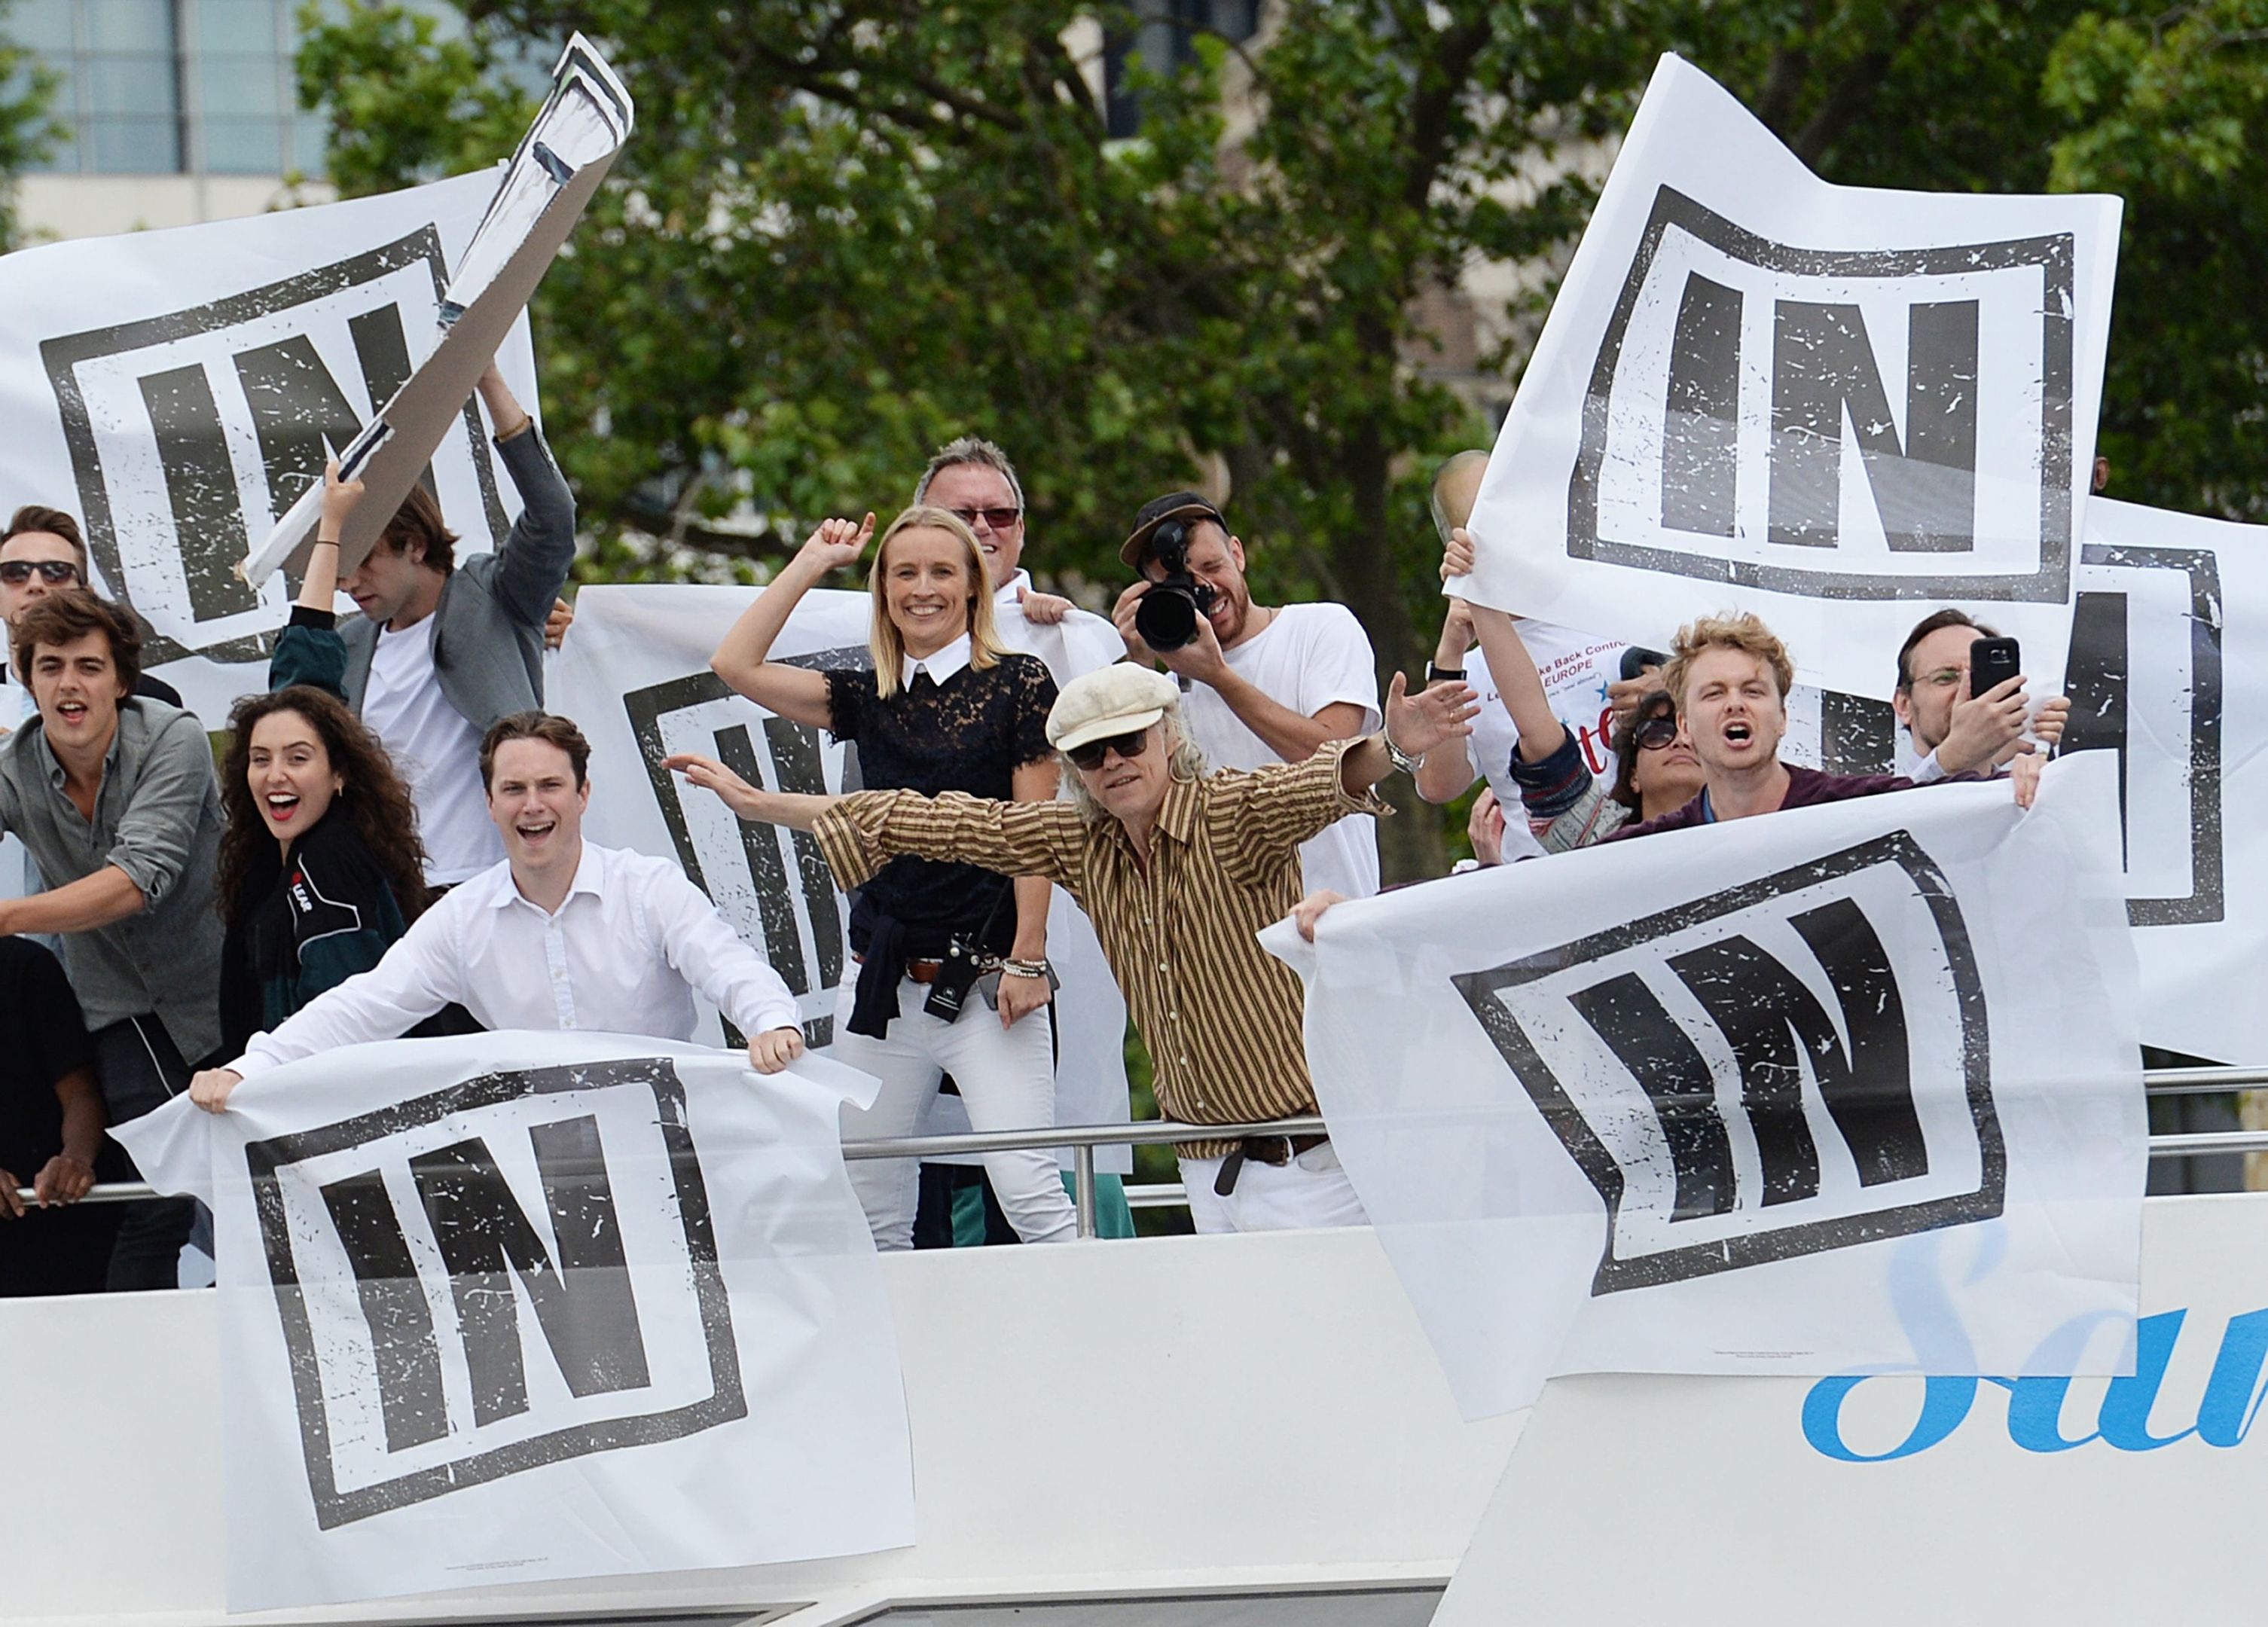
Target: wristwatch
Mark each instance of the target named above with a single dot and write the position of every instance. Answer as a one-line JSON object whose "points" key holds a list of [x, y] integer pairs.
{"points": [[1443, 674], [1402, 759]]}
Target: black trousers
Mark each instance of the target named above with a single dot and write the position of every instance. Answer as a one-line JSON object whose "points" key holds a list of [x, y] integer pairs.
{"points": [[142, 1070]]}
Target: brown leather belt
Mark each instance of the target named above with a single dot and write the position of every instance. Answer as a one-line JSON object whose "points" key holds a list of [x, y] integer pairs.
{"points": [[1274, 1151], [920, 971]]}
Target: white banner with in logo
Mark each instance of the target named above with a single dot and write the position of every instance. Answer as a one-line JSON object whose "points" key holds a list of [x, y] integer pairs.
{"points": [[634, 672], [177, 391], [1833, 406], [2169, 670], [522, 1306], [1682, 1104]]}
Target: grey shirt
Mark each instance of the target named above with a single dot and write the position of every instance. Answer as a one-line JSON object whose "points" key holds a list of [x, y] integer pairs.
{"points": [[158, 818]]}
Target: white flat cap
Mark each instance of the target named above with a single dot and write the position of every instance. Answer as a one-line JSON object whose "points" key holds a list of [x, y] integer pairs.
{"points": [[1117, 700]]}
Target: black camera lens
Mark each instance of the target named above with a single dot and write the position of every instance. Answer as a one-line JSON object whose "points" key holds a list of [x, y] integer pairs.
{"points": [[1166, 617]]}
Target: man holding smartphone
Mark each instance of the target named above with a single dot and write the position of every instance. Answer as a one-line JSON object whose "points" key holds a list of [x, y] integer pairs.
{"points": [[1964, 719], [1730, 676]]}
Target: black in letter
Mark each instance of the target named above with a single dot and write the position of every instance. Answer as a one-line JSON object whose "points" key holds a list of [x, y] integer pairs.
{"points": [[1661, 1057], [783, 946], [1925, 489], [795, 753], [201, 481], [2096, 676], [393, 1308], [1870, 1094], [1769, 1016], [583, 1302], [1698, 474]]}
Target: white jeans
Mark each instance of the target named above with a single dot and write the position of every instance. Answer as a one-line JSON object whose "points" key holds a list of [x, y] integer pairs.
{"points": [[1311, 1190], [1007, 1080]]}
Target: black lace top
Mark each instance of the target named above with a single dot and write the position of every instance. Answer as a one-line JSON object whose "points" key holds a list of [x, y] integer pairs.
{"points": [[970, 733]]}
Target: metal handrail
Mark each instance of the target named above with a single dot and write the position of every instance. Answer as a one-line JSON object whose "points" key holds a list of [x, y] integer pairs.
{"points": [[1081, 1138], [1084, 1138]]}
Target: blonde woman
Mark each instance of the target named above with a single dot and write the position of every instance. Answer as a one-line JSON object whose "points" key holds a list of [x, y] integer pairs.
{"points": [[947, 708]]}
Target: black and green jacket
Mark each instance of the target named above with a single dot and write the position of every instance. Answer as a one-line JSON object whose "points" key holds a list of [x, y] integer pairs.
{"points": [[312, 921]]}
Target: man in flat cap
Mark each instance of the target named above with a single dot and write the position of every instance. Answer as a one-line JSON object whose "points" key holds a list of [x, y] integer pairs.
{"points": [[1178, 868], [1261, 683]]}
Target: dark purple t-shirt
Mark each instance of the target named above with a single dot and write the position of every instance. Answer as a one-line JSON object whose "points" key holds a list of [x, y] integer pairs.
{"points": [[1805, 786]]}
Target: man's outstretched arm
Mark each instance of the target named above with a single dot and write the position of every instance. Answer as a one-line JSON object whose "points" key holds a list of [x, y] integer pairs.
{"points": [[862, 832]]}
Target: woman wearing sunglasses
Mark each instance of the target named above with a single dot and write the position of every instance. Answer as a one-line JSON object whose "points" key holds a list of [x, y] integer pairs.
{"points": [[1655, 770], [945, 708]]}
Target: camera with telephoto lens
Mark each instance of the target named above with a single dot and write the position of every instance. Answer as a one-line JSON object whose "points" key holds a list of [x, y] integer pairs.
{"points": [[1167, 615], [963, 965]]}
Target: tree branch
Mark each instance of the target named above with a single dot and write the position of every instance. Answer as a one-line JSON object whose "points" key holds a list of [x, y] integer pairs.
{"points": [[1857, 88]]}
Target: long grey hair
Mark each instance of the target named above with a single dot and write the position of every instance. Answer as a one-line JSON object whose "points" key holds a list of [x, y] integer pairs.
{"points": [[1184, 762]]}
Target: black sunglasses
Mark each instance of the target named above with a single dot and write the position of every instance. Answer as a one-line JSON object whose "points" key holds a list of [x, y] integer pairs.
{"points": [[1127, 745], [999, 519], [1657, 733], [54, 572]]}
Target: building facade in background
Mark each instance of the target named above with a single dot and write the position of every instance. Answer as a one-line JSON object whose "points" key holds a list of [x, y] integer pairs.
{"points": [[173, 111]]}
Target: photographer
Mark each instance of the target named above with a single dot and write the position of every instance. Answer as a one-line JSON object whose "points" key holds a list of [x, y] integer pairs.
{"points": [[1264, 683], [1178, 869]]}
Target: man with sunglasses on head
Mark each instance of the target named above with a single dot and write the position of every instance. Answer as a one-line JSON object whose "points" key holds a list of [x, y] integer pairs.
{"points": [[1179, 869], [43, 552]]}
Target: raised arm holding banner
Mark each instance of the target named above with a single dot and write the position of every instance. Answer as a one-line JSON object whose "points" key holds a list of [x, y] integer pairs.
{"points": [[540, 195]]}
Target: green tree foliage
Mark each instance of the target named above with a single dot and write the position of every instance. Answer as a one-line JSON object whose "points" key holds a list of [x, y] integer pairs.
{"points": [[847, 229], [26, 131], [2169, 109]]}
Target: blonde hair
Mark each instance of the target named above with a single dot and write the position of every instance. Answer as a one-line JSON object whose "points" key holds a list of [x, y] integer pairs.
{"points": [[1742, 630], [889, 651], [1184, 761]]}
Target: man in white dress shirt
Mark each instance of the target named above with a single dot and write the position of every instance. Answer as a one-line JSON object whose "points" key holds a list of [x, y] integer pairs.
{"points": [[564, 934]]}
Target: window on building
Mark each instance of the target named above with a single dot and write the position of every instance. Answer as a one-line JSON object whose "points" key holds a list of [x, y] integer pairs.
{"points": [[1167, 39], [163, 87]]}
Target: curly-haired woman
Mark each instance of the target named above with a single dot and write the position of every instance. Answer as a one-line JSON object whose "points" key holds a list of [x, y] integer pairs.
{"points": [[321, 864]]}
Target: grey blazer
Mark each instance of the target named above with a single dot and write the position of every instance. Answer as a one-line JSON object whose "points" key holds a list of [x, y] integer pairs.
{"points": [[487, 631]]}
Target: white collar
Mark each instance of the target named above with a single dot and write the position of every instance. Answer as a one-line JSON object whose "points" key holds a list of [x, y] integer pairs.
{"points": [[504, 892], [1006, 595], [940, 665]]}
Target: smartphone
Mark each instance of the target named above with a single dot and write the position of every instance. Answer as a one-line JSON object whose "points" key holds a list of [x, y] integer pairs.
{"points": [[1638, 657], [1991, 661]]}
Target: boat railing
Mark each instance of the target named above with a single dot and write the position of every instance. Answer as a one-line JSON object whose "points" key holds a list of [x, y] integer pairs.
{"points": [[1083, 1139]]}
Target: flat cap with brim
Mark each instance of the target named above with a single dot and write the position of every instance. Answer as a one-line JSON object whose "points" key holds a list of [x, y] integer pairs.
{"points": [[1117, 700], [1156, 513]]}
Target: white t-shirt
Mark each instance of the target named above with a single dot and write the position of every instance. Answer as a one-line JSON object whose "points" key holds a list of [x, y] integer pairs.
{"points": [[1577, 670], [1309, 657], [436, 751]]}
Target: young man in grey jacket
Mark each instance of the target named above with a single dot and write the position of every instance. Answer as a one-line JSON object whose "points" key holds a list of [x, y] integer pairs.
{"points": [[442, 649]]}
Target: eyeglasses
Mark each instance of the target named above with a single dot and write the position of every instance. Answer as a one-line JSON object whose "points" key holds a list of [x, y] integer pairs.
{"points": [[54, 572], [1127, 745], [998, 519], [1657, 733]]}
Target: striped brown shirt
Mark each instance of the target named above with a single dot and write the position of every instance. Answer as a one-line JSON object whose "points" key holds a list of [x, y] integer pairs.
{"points": [[1221, 1016]]}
